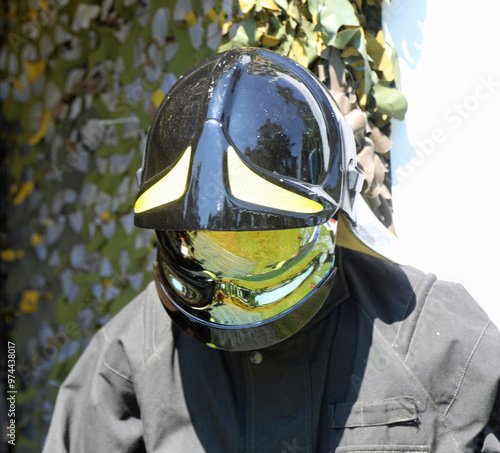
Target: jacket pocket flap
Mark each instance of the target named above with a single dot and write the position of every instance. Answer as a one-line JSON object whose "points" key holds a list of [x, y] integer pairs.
{"points": [[387, 411]]}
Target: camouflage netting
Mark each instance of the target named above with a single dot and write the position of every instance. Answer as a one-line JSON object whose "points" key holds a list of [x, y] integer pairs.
{"points": [[79, 85]]}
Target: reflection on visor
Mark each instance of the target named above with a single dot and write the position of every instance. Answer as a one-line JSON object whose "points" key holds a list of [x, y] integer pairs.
{"points": [[237, 278], [282, 291]]}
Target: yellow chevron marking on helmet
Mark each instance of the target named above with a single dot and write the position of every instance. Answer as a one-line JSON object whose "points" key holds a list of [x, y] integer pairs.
{"points": [[167, 189], [250, 187]]}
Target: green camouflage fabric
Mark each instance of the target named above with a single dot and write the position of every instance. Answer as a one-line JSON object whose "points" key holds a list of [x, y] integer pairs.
{"points": [[79, 84]]}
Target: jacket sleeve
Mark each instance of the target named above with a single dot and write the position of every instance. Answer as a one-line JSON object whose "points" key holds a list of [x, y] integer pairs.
{"points": [[96, 408]]}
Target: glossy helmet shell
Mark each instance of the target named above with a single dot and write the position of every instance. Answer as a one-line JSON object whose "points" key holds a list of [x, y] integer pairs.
{"points": [[271, 113], [247, 140]]}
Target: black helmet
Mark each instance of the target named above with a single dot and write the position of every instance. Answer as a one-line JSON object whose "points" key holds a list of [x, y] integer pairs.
{"points": [[248, 164]]}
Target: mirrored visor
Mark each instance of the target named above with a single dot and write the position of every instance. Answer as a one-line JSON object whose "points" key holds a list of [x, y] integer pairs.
{"points": [[244, 277]]}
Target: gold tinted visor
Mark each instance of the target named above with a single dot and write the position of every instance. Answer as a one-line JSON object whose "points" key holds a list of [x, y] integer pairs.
{"points": [[236, 278]]}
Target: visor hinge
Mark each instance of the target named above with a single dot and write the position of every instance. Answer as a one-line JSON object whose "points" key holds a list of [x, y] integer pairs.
{"points": [[355, 178]]}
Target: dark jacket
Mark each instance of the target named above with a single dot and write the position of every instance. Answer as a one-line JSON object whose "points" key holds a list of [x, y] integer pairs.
{"points": [[395, 361]]}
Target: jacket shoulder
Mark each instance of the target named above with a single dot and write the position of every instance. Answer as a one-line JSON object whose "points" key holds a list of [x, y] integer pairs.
{"points": [[137, 334], [406, 303], [433, 331]]}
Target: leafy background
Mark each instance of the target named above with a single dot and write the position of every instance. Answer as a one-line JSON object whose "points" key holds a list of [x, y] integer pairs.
{"points": [[79, 85]]}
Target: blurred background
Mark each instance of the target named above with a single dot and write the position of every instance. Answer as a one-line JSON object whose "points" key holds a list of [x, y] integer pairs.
{"points": [[81, 81]]}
